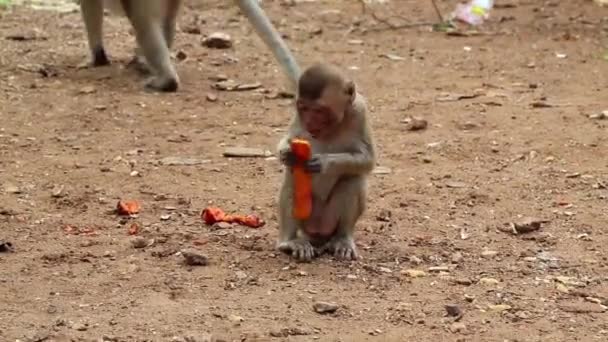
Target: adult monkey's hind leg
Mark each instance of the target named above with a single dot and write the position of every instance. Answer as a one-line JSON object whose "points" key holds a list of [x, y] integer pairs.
{"points": [[170, 11], [147, 23], [92, 15]]}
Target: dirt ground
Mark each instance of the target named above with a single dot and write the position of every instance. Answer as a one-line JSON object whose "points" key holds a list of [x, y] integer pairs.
{"points": [[514, 131]]}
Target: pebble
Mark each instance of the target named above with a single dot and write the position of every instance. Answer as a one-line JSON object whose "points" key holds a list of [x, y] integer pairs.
{"points": [[488, 281], [489, 254], [80, 326], [458, 327], [192, 258], [499, 307], [453, 310], [325, 307], [457, 258], [463, 281], [414, 273], [218, 40], [140, 242]]}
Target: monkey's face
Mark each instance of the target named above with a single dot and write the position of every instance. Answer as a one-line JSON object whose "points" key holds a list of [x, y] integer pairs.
{"points": [[319, 120]]}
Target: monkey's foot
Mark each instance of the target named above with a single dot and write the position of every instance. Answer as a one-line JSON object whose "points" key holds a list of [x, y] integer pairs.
{"points": [[163, 84], [343, 248], [138, 63], [300, 249]]}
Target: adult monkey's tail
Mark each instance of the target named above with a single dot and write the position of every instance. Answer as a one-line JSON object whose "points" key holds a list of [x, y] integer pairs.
{"points": [[271, 37]]}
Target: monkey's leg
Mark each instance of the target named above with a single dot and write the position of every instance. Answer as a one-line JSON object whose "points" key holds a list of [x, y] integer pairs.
{"points": [[150, 38], [92, 15], [170, 21], [138, 62], [344, 208], [298, 247]]}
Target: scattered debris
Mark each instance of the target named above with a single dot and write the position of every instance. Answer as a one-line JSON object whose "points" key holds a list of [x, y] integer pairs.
{"points": [[133, 229], [599, 116], [525, 225], [392, 57], [212, 215], [454, 310], [182, 161], [451, 97], [192, 258], [414, 273], [231, 85], [415, 124], [218, 40], [140, 242], [325, 307], [72, 230], [381, 170], [246, 152], [127, 208], [582, 307]]}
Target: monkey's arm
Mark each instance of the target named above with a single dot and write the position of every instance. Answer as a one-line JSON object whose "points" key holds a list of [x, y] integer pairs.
{"points": [[353, 163]]}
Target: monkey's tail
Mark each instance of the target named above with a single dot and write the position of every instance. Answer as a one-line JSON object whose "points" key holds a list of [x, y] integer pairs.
{"points": [[258, 19]]}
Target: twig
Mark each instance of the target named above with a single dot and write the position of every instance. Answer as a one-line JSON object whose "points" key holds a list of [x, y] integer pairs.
{"points": [[437, 11]]}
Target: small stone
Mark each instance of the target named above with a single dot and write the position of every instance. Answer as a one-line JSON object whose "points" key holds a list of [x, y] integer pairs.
{"points": [[415, 260], [453, 310], [489, 254], [192, 258], [438, 269], [57, 191], [381, 170], [140, 242], [414, 273], [80, 326], [181, 161], [211, 97], [417, 125], [384, 215], [165, 217], [463, 281], [325, 307], [582, 307], [235, 319], [385, 269], [456, 185], [562, 288], [488, 281], [499, 307], [87, 90], [240, 275], [527, 225], [12, 189], [457, 258], [218, 40], [458, 327]]}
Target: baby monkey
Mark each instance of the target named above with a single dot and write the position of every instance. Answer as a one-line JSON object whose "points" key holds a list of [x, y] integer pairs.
{"points": [[332, 116], [154, 23]]}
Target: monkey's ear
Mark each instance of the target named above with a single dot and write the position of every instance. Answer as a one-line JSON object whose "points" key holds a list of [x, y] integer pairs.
{"points": [[349, 90]]}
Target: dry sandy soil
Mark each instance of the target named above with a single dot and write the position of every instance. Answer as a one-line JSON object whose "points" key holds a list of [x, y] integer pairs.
{"points": [[509, 136]]}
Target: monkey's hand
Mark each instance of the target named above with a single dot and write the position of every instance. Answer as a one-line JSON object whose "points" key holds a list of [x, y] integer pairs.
{"points": [[301, 249], [314, 164], [287, 157]]}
